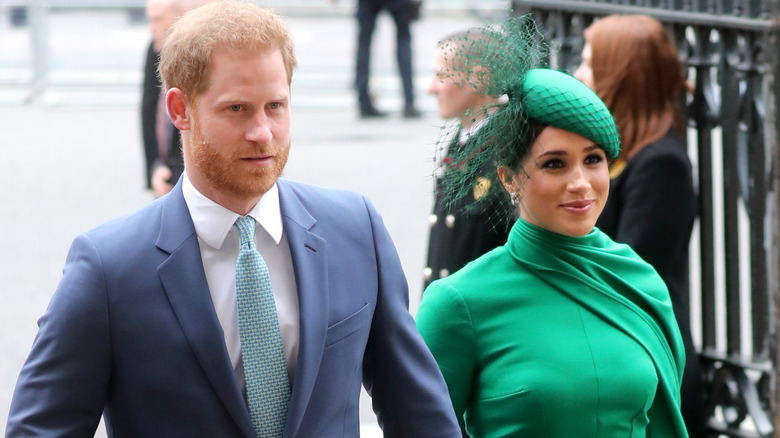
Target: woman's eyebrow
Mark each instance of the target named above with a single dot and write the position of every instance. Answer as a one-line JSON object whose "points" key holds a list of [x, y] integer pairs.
{"points": [[554, 152], [560, 152]]}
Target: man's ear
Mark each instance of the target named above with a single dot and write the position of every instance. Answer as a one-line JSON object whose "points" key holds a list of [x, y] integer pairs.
{"points": [[178, 109], [480, 77]]}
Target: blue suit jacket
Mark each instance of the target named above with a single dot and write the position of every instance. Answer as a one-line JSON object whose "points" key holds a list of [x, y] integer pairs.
{"points": [[131, 332]]}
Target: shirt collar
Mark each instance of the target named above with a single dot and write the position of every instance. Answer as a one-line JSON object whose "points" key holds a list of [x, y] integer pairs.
{"points": [[213, 221], [465, 135]]}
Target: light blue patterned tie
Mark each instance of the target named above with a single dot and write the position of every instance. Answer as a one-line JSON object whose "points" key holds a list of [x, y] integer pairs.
{"points": [[267, 385]]}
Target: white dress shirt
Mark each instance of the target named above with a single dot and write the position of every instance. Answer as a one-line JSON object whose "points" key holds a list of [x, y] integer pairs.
{"points": [[219, 243]]}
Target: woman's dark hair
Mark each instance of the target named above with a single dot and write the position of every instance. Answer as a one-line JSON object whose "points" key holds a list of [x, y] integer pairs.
{"points": [[514, 154]]}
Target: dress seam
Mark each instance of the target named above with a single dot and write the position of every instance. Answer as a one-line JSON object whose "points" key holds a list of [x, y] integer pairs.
{"points": [[595, 369]]}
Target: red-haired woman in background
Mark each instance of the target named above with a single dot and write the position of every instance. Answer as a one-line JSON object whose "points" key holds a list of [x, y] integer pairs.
{"points": [[632, 64]]}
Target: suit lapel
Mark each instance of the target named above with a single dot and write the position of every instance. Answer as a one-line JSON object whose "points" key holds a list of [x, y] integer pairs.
{"points": [[309, 258], [185, 284]]}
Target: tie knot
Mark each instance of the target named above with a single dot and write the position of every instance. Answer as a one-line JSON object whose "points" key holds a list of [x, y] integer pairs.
{"points": [[246, 227]]}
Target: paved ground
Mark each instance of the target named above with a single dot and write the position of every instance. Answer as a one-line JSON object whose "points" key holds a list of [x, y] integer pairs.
{"points": [[72, 152]]}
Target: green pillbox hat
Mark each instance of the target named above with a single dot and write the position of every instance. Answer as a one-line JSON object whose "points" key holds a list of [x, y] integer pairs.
{"points": [[557, 99]]}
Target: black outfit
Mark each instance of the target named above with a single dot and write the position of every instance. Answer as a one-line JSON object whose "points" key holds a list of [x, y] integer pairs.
{"points": [[468, 228], [651, 207], [367, 12], [150, 95]]}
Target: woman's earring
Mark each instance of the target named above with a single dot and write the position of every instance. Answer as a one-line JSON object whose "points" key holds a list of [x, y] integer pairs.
{"points": [[515, 204], [513, 196]]}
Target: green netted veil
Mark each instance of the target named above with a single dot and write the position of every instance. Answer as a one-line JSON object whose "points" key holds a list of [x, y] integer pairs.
{"points": [[510, 58]]}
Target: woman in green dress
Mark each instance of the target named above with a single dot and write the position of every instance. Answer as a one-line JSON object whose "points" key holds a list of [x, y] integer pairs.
{"points": [[561, 332]]}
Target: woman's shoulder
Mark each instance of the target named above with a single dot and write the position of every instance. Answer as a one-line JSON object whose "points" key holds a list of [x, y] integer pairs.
{"points": [[483, 267], [671, 146], [486, 276], [665, 159]]}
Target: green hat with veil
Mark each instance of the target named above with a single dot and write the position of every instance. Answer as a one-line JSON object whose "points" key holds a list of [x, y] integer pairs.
{"points": [[557, 99], [509, 60]]}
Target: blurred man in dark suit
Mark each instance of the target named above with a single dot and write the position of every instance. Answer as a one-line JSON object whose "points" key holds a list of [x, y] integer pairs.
{"points": [[161, 139], [403, 12]]}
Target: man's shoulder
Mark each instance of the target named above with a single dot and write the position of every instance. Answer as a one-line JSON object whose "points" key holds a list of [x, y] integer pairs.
{"points": [[130, 226], [309, 194], [328, 207]]}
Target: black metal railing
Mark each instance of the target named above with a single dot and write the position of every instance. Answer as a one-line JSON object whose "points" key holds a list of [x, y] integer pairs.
{"points": [[731, 50]]}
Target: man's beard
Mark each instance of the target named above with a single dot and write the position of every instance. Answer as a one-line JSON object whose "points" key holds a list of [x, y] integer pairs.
{"points": [[222, 172]]}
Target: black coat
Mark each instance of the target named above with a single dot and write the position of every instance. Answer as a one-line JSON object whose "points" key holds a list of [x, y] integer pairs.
{"points": [[468, 228], [651, 207], [150, 95]]}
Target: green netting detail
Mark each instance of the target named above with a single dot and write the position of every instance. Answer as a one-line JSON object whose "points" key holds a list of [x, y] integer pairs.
{"points": [[559, 100], [506, 61]]}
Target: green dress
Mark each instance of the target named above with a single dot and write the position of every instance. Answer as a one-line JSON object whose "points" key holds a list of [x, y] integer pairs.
{"points": [[557, 336]]}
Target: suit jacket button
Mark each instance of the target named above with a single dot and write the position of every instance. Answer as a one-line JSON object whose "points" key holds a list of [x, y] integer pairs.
{"points": [[427, 273], [443, 273], [432, 219], [450, 221]]}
